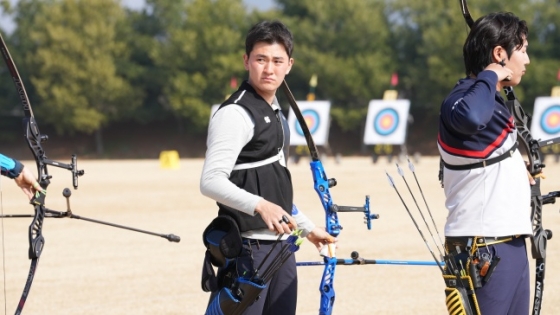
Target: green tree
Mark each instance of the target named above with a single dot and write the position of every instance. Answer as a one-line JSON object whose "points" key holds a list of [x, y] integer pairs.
{"points": [[73, 47], [17, 45], [346, 43], [428, 36], [199, 49]]}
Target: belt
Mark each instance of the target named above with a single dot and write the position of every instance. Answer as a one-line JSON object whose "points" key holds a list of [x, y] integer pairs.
{"points": [[484, 241], [478, 241], [252, 241]]}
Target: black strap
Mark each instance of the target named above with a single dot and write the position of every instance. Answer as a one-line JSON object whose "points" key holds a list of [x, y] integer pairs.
{"points": [[484, 163]]}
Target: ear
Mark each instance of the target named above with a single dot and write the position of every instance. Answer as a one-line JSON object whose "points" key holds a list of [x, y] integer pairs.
{"points": [[290, 66], [246, 61], [499, 54]]}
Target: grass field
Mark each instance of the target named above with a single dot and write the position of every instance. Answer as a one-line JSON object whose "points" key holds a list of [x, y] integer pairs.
{"points": [[87, 268]]}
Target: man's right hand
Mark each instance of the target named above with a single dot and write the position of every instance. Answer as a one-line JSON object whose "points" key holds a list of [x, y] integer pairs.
{"points": [[272, 215], [503, 72], [28, 183]]}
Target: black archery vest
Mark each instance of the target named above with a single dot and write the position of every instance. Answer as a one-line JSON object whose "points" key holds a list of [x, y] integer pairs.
{"points": [[271, 181]]}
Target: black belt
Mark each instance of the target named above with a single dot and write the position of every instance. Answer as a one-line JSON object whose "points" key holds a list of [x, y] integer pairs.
{"points": [[484, 163]]}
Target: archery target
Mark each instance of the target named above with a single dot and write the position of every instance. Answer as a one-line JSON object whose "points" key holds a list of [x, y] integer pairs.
{"points": [[312, 120], [386, 122], [546, 118], [550, 120], [316, 115]]}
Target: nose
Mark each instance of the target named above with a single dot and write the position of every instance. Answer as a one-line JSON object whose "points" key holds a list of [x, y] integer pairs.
{"points": [[268, 67]]}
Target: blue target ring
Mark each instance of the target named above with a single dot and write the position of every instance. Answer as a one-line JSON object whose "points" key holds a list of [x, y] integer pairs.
{"points": [[312, 120], [550, 120], [386, 121]]}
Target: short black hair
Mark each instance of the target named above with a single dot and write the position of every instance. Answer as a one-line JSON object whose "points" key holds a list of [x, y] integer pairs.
{"points": [[494, 29], [270, 32]]}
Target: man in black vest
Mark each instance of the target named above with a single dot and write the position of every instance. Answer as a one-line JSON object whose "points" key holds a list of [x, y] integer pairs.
{"points": [[245, 167]]}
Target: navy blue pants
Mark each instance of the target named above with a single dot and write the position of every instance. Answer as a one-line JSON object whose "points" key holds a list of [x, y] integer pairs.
{"points": [[508, 290], [280, 295]]}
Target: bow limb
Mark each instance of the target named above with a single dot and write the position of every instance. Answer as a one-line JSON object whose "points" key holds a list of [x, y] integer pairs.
{"points": [[466, 13]]}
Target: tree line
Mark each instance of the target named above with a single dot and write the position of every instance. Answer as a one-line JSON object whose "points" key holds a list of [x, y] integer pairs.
{"points": [[91, 64]]}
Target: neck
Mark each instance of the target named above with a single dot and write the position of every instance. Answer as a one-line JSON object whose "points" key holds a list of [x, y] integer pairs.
{"points": [[268, 96], [499, 86]]}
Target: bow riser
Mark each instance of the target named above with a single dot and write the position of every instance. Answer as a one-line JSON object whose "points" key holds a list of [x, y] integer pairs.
{"points": [[321, 185]]}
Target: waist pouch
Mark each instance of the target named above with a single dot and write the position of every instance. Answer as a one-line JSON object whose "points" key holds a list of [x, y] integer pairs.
{"points": [[460, 297], [223, 243]]}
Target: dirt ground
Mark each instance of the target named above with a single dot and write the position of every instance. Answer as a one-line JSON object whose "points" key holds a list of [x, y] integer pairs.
{"points": [[88, 268]]}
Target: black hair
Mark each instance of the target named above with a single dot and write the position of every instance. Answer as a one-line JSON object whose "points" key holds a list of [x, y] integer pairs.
{"points": [[495, 29], [270, 32]]}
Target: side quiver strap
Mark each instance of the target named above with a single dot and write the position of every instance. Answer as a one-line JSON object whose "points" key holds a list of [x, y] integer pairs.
{"points": [[483, 163]]}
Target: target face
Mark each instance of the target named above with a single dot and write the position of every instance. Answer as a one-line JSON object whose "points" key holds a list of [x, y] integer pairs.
{"points": [[550, 120], [545, 124], [312, 119], [316, 115], [386, 121]]}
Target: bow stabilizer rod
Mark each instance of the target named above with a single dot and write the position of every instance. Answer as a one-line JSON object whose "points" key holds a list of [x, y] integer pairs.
{"points": [[357, 260], [69, 214]]}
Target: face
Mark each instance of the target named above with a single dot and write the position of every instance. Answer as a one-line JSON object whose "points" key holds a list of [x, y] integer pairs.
{"points": [[267, 64], [517, 63]]}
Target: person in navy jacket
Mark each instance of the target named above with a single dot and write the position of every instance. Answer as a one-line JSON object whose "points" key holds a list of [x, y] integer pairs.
{"points": [[485, 178]]}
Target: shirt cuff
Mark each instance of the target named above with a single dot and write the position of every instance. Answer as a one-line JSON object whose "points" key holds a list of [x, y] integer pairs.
{"points": [[303, 222], [14, 172]]}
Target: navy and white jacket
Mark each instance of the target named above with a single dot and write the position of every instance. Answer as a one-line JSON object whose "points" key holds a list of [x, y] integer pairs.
{"points": [[476, 125]]}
